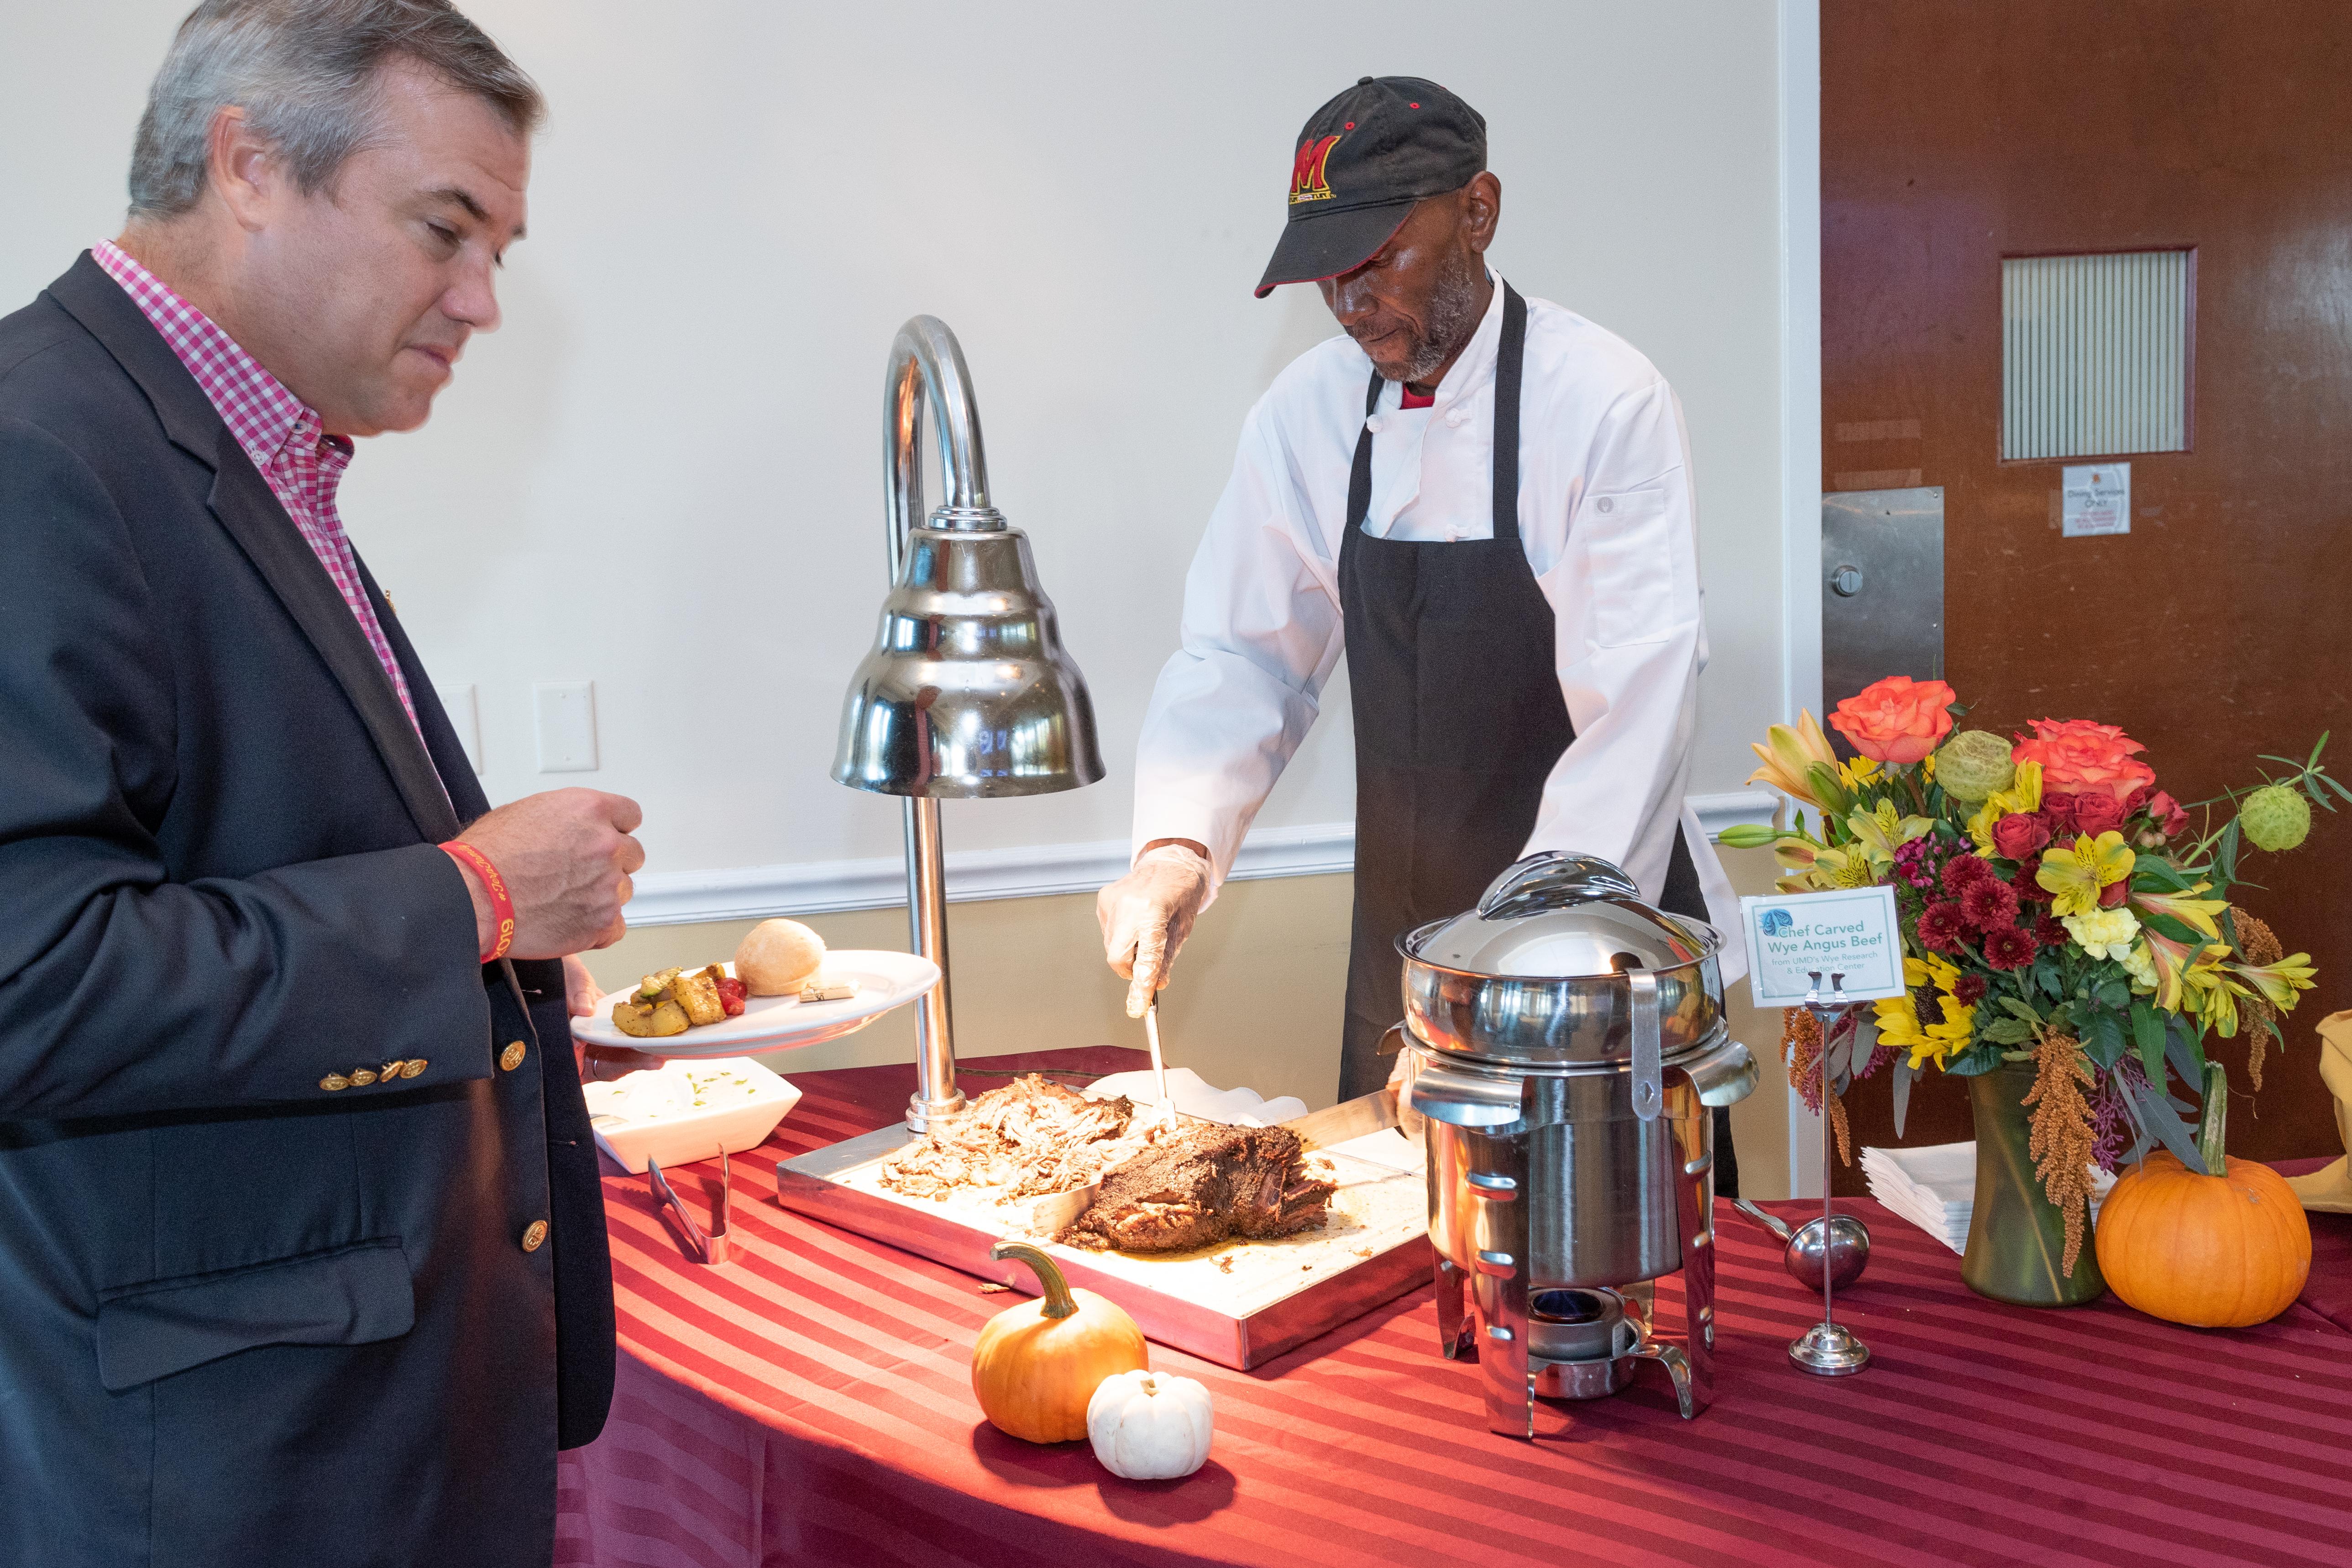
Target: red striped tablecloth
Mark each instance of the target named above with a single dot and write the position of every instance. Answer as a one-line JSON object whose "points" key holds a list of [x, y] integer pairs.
{"points": [[808, 1402]]}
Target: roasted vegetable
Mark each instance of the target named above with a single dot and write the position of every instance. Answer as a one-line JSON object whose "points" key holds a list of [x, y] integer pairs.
{"points": [[649, 1020], [699, 994]]}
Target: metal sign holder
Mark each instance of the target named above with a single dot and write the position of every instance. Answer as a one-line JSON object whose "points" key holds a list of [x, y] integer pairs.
{"points": [[1827, 1349]]}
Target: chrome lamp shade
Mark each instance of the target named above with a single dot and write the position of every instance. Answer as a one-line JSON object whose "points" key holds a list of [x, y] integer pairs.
{"points": [[968, 693]]}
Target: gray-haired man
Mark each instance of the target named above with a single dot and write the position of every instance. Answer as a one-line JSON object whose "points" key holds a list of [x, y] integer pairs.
{"points": [[301, 1242]]}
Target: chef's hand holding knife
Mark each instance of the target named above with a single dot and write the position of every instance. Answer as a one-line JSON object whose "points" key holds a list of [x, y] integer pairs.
{"points": [[1146, 914]]}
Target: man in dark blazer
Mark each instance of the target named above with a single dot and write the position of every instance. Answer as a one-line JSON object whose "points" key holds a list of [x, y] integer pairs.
{"points": [[302, 1252]]}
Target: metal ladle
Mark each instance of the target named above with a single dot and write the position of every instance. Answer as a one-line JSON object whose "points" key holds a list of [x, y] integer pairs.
{"points": [[1800, 1251]]}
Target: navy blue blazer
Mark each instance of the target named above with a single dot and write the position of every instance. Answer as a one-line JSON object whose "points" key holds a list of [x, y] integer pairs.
{"points": [[253, 1308]]}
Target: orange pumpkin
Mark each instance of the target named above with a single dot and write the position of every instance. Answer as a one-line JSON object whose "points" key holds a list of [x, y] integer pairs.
{"points": [[1037, 1364], [2212, 1252]]}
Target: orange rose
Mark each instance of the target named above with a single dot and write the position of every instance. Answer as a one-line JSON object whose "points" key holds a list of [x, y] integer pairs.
{"points": [[1897, 720], [2080, 758]]}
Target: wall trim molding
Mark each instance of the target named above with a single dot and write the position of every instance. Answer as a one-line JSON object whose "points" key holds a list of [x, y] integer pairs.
{"points": [[829, 886]]}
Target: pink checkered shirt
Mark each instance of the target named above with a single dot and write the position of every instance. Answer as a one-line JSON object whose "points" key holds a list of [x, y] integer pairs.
{"points": [[301, 463]]}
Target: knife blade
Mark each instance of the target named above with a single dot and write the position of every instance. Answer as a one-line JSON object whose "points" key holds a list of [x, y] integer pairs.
{"points": [[1354, 1118]]}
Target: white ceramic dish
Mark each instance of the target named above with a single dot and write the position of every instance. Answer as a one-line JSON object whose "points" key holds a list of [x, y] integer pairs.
{"points": [[885, 980], [687, 1110]]}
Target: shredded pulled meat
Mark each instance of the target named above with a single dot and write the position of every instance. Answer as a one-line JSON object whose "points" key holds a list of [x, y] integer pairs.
{"points": [[1203, 1185], [1032, 1138]]}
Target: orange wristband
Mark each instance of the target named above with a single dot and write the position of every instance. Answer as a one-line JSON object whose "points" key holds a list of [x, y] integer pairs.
{"points": [[502, 902]]}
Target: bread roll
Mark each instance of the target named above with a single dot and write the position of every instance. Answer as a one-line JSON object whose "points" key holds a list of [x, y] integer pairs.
{"points": [[778, 958]]}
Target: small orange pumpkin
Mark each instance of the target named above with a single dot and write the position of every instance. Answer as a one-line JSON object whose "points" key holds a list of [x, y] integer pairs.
{"points": [[2212, 1252], [1037, 1364]]}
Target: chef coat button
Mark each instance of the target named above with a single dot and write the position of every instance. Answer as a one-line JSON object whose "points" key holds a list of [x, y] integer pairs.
{"points": [[415, 1067], [533, 1235], [391, 1070], [333, 1081], [362, 1076], [1454, 418], [1605, 504], [1374, 423], [512, 1058]]}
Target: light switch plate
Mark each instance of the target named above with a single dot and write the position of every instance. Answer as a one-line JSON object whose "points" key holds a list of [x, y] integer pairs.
{"points": [[566, 713], [465, 717]]}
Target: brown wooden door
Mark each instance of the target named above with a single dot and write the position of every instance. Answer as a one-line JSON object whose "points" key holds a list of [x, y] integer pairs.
{"points": [[1955, 132]]}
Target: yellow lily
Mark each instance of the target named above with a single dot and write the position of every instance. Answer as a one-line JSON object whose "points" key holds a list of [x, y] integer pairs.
{"points": [[1882, 829], [1788, 752], [2279, 982], [2187, 908], [2074, 875], [2181, 970], [1811, 868], [2212, 995], [2023, 793]]}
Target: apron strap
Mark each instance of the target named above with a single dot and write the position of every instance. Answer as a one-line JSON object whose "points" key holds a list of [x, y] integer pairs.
{"points": [[1508, 353], [1360, 472]]}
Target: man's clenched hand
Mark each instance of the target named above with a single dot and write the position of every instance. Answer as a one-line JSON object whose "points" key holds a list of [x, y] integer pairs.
{"points": [[566, 857]]}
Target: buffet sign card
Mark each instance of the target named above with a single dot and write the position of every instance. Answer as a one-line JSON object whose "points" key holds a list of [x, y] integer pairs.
{"points": [[1851, 931]]}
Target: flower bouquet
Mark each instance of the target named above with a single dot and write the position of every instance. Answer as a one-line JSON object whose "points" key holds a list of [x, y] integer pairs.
{"points": [[2071, 942]]}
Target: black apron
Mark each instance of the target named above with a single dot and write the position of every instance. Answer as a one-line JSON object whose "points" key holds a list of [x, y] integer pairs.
{"points": [[1459, 721]]}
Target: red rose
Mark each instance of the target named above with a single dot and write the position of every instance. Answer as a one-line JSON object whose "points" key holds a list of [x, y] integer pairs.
{"points": [[2098, 814], [1962, 872], [2167, 814], [1897, 720], [2020, 836], [2011, 949], [2113, 895], [2079, 758], [2059, 809]]}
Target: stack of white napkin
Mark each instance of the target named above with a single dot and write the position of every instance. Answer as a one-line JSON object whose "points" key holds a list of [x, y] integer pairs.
{"points": [[1934, 1187]]}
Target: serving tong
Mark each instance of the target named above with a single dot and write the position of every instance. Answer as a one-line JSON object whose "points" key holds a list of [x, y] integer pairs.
{"points": [[708, 1247]]}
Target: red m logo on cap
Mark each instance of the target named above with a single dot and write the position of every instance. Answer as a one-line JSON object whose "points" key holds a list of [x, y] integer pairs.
{"points": [[1306, 181]]}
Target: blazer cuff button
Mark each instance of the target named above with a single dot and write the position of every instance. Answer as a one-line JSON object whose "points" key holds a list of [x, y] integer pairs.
{"points": [[333, 1081]]}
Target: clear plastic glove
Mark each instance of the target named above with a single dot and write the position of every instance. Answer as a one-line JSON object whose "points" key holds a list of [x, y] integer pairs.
{"points": [[1146, 914]]}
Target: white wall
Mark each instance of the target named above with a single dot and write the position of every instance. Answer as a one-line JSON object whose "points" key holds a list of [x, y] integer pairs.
{"points": [[663, 474]]}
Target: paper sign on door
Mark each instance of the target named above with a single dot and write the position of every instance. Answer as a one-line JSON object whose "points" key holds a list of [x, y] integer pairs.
{"points": [[1792, 936], [2097, 500]]}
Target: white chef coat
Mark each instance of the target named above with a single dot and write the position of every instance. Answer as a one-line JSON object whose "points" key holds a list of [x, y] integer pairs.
{"points": [[1606, 514]]}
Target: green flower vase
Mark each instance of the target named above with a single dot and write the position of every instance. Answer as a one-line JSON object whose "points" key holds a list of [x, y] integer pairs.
{"points": [[2017, 1238]]}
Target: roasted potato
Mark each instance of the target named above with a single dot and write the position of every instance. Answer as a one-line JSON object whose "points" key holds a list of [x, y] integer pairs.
{"points": [[699, 994], [649, 1020]]}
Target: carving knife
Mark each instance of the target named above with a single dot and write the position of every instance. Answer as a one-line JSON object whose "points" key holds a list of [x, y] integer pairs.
{"points": [[1372, 1113]]}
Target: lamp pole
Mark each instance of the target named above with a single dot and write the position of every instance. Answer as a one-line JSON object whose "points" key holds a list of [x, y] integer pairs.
{"points": [[967, 693]]}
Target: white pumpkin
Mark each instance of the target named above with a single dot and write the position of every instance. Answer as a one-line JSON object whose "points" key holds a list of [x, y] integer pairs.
{"points": [[1149, 1426]]}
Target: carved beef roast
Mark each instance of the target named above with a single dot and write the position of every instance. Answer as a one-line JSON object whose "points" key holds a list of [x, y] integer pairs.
{"points": [[1207, 1183]]}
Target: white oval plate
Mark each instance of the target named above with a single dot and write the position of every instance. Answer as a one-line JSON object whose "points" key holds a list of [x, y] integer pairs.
{"points": [[885, 980]]}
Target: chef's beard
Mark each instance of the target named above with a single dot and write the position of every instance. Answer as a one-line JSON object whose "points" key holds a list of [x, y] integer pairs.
{"points": [[1453, 317]]}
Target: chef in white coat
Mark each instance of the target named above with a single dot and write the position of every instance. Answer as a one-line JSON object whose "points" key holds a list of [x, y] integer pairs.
{"points": [[1484, 501]]}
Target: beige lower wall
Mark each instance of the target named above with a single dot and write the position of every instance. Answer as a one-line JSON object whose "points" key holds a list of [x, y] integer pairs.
{"points": [[1256, 999]]}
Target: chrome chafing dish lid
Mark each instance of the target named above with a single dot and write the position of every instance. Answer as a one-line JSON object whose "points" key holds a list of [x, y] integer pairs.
{"points": [[1560, 916]]}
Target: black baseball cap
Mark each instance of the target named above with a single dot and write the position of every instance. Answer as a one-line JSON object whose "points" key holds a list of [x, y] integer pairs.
{"points": [[1363, 160]]}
